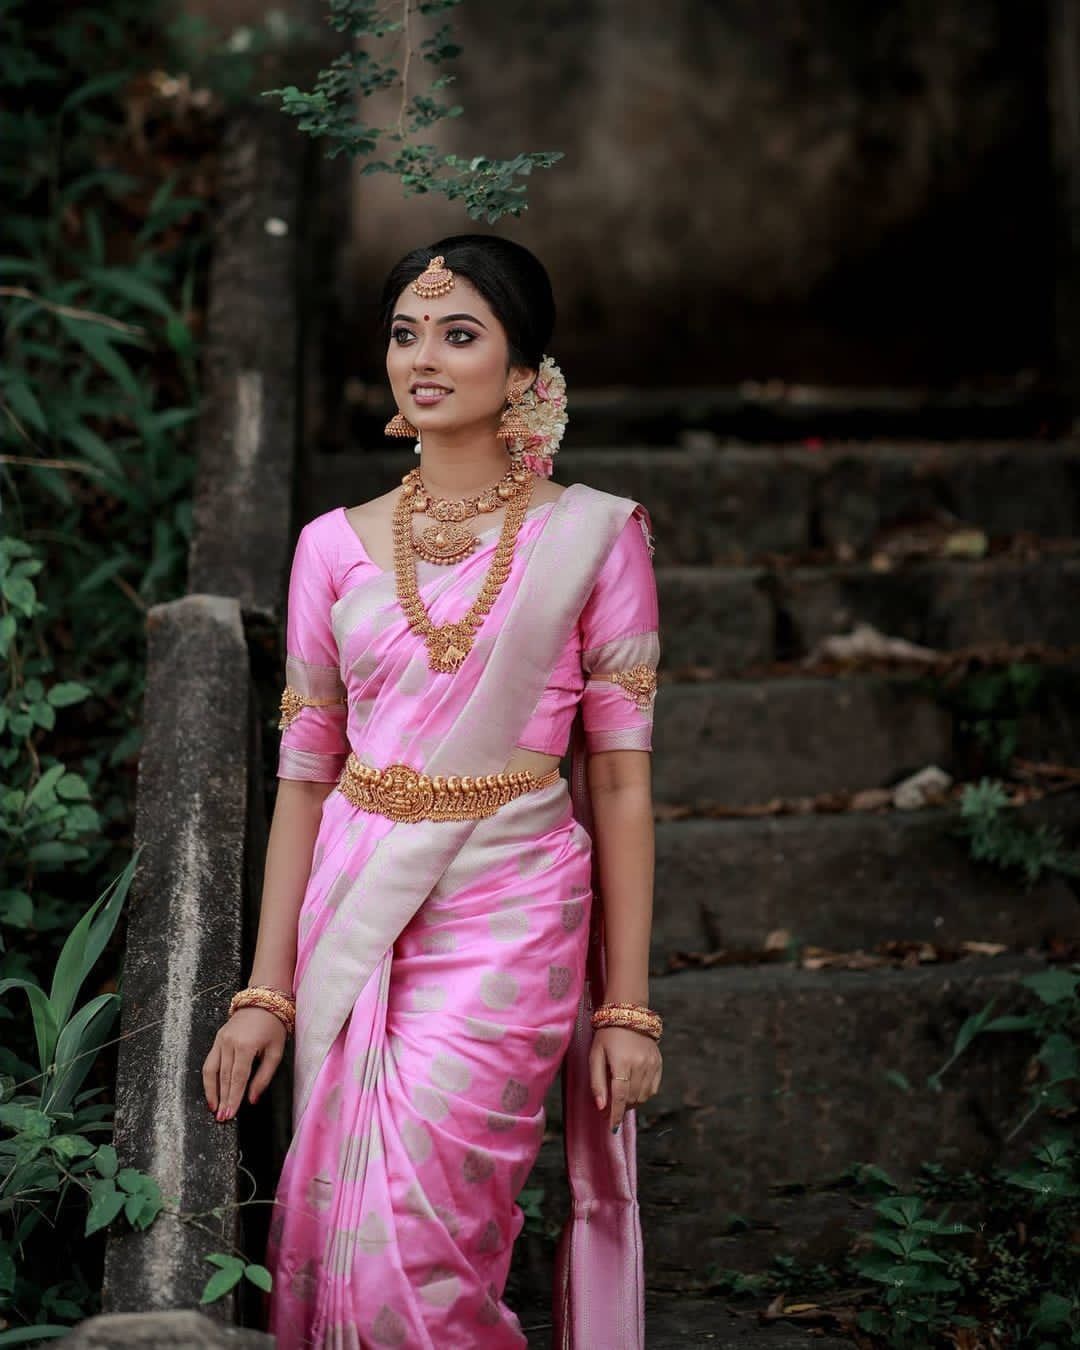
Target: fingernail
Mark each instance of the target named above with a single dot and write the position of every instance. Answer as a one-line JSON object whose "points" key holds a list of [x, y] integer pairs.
{"points": [[221, 1113], [600, 1103]]}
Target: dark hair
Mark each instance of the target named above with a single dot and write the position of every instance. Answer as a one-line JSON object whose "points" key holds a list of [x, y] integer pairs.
{"points": [[511, 279]]}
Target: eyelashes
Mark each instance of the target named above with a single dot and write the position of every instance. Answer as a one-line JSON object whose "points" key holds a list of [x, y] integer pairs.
{"points": [[397, 332]]}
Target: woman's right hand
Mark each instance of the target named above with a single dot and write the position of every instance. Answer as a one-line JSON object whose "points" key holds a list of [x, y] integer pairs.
{"points": [[249, 1034]]}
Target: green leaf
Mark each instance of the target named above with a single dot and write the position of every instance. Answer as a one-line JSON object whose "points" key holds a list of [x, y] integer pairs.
{"points": [[97, 451], [20, 593], [1013, 1022], [16, 909], [45, 1025], [94, 88], [86, 942], [106, 1202], [70, 1146], [106, 1161], [125, 283], [259, 1275], [72, 787], [44, 1331], [54, 853], [1054, 1312], [1052, 986], [25, 405], [222, 1281], [76, 1046], [94, 340], [43, 790]]}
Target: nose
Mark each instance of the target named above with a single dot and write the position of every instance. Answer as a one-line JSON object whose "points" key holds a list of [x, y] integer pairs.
{"points": [[424, 351]]}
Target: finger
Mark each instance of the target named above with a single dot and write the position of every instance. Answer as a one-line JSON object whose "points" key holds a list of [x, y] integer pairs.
{"points": [[598, 1074], [209, 1076], [224, 1073], [619, 1095], [241, 1068], [271, 1058]]}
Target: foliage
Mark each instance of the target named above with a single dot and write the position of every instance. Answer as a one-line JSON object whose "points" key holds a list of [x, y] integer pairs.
{"points": [[329, 112], [996, 837], [101, 252]]}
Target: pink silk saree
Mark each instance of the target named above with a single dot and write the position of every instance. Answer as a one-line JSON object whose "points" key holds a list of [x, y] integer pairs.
{"points": [[446, 971]]}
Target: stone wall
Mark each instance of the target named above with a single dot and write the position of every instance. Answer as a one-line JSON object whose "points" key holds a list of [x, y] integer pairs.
{"points": [[834, 192]]}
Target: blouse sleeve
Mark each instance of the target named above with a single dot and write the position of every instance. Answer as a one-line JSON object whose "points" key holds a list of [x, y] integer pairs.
{"points": [[620, 643], [314, 741]]}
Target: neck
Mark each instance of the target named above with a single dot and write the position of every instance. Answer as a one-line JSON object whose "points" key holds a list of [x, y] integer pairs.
{"points": [[457, 470]]}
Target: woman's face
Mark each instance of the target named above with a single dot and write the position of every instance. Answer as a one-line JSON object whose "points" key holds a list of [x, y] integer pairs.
{"points": [[455, 342]]}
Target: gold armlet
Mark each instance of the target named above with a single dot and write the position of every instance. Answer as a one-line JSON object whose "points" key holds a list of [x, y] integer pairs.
{"points": [[293, 702], [638, 683]]}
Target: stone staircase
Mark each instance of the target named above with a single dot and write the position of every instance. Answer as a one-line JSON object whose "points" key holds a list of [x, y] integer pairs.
{"points": [[776, 1074]]}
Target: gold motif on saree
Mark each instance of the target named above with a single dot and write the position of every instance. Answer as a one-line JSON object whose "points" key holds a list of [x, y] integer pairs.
{"points": [[293, 702], [638, 683]]}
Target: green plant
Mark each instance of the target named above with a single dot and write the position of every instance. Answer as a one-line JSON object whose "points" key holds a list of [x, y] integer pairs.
{"points": [[995, 837], [47, 1120], [101, 255], [989, 705], [328, 112]]}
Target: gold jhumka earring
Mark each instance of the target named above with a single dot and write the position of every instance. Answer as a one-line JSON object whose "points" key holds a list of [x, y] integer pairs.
{"points": [[399, 425], [512, 426]]}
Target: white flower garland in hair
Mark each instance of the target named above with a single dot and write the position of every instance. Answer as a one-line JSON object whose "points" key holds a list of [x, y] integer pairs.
{"points": [[543, 409]]}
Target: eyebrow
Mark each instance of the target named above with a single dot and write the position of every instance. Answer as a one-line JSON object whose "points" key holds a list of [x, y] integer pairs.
{"points": [[449, 318]]}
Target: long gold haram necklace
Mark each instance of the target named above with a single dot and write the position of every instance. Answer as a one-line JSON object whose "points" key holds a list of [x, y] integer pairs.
{"points": [[448, 644]]}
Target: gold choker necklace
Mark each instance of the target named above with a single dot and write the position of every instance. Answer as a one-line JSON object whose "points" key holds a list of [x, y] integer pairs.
{"points": [[448, 541], [449, 643]]}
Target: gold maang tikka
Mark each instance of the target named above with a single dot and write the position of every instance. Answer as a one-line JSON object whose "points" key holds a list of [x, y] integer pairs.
{"points": [[435, 280]]}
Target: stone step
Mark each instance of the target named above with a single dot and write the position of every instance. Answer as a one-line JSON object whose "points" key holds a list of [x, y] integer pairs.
{"points": [[767, 411], [739, 742], [736, 503], [681, 1321], [777, 1077], [850, 880], [736, 742], [732, 618]]}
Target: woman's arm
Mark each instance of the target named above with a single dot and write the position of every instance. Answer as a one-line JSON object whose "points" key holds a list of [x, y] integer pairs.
{"points": [[620, 790], [254, 1033], [289, 851], [623, 838]]}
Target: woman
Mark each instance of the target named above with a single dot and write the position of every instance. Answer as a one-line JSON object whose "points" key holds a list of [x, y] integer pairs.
{"points": [[436, 937]]}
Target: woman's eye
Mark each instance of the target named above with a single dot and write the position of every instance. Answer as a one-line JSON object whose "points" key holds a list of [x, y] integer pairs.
{"points": [[399, 333]]}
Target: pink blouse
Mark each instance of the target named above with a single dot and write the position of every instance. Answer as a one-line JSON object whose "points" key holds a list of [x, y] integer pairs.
{"points": [[617, 630]]}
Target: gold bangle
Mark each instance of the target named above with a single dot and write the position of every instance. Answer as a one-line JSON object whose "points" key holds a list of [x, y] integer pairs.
{"points": [[633, 1016], [272, 1000]]}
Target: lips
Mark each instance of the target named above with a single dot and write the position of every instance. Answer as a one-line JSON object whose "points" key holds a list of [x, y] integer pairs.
{"points": [[434, 394]]}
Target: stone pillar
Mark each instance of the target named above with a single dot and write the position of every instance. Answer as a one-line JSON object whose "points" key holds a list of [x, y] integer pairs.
{"points": [[183, 950]]}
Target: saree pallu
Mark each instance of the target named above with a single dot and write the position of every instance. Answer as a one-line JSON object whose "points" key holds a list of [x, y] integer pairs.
{"points": [[446, 971]]}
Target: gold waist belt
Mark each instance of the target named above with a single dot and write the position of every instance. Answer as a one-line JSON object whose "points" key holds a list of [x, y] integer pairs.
{"points": [[403, 794]]}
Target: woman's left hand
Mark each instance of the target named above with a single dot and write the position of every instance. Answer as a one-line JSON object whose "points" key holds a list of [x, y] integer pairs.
{"points": [[634, 1064]]}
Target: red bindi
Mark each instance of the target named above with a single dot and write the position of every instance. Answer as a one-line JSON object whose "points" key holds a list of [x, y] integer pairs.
{"points": [[427, 316]]}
